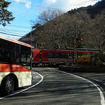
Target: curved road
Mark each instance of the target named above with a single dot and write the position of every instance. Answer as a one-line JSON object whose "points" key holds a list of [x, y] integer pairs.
{"points": [[57, 88]]}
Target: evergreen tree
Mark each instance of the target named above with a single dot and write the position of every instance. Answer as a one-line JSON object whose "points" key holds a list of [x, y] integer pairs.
{"points": [[5, 15]]}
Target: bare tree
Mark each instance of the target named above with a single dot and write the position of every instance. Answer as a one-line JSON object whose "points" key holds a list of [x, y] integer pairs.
{"points": [[46, 16]]}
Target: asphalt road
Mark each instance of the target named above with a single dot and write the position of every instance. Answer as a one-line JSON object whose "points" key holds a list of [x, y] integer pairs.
{"points": [[57, 88]]}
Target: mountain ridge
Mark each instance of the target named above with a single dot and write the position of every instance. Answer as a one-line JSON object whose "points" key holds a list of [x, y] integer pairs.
{"points": [[86, 22]]}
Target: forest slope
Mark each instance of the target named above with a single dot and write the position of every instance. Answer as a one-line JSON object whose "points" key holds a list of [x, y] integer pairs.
{"points": [[86, 22]]}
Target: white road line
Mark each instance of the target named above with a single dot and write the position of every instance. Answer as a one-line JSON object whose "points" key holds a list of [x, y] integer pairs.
{"points": [[97, 86], [25, 88]]}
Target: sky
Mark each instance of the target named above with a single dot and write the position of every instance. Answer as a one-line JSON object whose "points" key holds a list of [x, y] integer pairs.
{"points": [[25, 11]]}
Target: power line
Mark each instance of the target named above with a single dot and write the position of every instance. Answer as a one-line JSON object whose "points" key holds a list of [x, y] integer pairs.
{"points": [[10, 34], [13, 30], [19, 26], [83, 2], [17, 34]]}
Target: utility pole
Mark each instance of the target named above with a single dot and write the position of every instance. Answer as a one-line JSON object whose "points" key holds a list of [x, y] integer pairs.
{"points": [[75, 44]]}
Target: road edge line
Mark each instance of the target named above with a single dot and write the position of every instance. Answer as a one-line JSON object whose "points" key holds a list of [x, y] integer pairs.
{"points": [[25, 88], [97, 86]]}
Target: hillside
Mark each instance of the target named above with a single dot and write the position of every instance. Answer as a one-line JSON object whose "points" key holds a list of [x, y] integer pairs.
{"points": [[86, 22]]}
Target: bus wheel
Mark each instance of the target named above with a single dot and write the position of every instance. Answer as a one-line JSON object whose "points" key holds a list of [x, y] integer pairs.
{"points": [[8, 85]]}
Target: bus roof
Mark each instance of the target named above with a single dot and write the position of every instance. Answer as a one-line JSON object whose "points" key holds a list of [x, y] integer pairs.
{"points": [[15, 41]]}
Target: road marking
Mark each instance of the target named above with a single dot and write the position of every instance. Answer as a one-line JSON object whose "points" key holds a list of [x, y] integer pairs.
{"points": [[97, 86], [25, 88]]}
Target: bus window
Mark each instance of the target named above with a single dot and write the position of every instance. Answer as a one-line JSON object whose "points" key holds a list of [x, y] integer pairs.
{"points": [[23, 58], [28, 58], [7, 56]]}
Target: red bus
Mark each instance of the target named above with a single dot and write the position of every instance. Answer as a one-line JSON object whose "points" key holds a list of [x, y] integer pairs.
{"points": [[61, 56], [15, 65]]}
